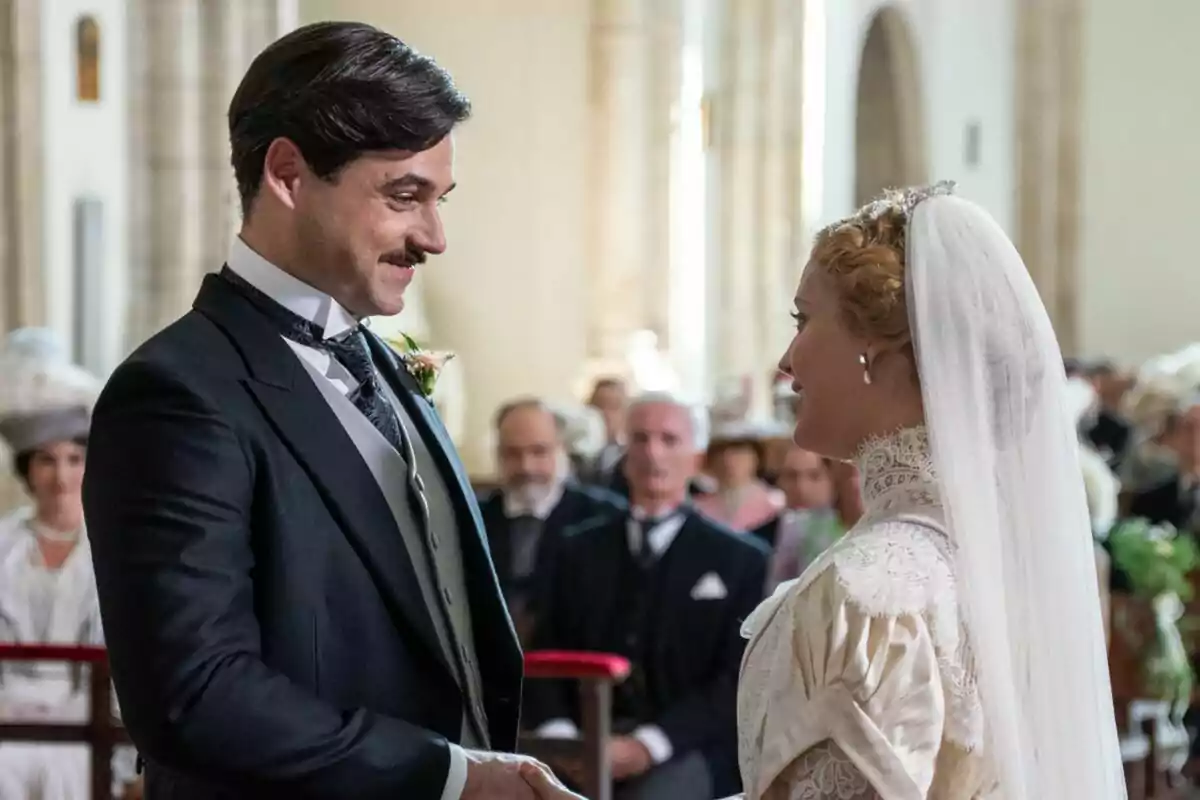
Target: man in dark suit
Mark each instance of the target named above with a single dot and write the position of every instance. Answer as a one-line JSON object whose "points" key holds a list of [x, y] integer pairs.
{"points": [[667, 588], [526, 516], [294, 580]]}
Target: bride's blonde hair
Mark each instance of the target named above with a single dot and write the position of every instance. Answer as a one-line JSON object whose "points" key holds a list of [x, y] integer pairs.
{"points": [[863, 256]]}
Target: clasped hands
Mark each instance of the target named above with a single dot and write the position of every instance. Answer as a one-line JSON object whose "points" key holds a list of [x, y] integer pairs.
{"points": [[500, 775]]}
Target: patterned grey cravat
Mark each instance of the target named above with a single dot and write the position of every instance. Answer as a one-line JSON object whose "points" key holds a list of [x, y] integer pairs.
{"points": [[350, 351]]}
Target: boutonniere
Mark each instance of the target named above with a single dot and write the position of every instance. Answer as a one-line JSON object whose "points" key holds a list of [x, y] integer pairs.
{"points": [[423, 365]]}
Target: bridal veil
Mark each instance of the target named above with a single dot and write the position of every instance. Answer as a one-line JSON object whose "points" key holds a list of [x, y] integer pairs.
{"points": [[1005, 447]]}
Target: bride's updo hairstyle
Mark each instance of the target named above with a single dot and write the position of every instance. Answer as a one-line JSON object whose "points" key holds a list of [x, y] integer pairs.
{"points": [[863, 257]]}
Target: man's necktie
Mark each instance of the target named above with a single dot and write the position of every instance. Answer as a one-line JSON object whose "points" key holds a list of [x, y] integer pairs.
{"points": [[645, 555], [350, 351]]}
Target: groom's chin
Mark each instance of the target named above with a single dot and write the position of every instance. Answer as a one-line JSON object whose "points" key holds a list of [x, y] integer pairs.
{"points": [[388, 302]]}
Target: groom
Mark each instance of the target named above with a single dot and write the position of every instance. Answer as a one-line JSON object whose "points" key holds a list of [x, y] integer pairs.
{"points": [[294, 581]]}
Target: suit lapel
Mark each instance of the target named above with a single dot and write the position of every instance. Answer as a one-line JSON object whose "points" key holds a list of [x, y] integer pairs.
{"points": [[426, 418], [487, 601], [498, 531], [303, 419], [566, 508], [678, 572]]}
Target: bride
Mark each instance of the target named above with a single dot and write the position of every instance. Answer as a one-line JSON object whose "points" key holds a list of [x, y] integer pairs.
{"points": [[950, 645]]}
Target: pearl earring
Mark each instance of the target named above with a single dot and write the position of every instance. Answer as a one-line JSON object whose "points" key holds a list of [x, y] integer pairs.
{"points": [[862, 359]]}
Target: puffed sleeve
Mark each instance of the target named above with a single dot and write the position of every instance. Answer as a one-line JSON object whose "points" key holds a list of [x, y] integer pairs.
{"points": [[861, 710]]}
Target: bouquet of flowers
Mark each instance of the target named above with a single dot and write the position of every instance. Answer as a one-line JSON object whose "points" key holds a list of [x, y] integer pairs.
{"points": [[1158, 562]]}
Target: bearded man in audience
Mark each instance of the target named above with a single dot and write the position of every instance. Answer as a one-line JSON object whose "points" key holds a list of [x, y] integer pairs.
{"points": [[667, 588], [536, 501]]}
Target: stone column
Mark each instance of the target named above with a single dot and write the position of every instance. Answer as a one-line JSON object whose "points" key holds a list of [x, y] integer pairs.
{"points": [[223, 24], [665, 44], [21, 287], [777, 214], [264, 21], [738, 131], [798, 242], [1069, 25], [168, 264], [617, 256], [1049, 67], [21, 290]]}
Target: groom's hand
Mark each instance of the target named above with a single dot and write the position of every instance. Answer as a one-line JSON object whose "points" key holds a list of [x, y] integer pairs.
{"points": [[496, 775]]}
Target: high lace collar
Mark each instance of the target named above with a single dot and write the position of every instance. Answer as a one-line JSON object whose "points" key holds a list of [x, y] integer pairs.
{"points": [[897, 471]]}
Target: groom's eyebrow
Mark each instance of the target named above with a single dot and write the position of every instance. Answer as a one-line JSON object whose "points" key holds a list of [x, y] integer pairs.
{"points": [[412, 180]]}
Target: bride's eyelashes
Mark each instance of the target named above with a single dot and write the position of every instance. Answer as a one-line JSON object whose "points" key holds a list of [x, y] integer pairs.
{"points": [[799, 318]]}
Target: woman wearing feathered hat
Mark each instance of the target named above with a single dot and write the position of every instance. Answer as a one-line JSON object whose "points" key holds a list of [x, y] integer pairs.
{"points": [[47, 587]]}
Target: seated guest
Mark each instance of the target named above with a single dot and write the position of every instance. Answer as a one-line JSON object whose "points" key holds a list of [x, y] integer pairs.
{"points": [[743, 501], [535, 502], [609, 398], [667, 588], [1108, 430], [808, 524], [700, 486], [47, 586], [1175, 499]]}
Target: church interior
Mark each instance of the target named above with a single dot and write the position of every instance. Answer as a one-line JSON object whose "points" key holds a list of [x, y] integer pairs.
{"points": [[639, 187]]}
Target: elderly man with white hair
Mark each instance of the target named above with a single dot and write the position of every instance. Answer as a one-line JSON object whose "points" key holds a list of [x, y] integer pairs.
{"points": [[668, 588]]}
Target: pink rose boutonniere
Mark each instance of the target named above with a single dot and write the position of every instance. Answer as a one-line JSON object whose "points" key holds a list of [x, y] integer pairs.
{"points": [[423, 365]]}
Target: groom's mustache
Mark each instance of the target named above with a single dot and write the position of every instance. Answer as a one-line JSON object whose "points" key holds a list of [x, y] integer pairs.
{"points": [[412, 257]]}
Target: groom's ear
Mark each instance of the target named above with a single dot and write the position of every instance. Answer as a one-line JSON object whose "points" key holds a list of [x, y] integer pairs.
{"points": [[283, 168]]}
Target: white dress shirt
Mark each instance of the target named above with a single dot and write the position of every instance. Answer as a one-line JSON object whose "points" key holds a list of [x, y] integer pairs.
{"points": [[321, 309]]}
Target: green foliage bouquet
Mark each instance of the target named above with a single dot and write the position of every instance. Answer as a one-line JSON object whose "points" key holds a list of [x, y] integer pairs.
{"points": [[1158, 562]]}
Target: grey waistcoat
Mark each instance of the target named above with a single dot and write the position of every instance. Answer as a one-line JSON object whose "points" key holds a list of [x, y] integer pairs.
{"points": [[420, 501]]}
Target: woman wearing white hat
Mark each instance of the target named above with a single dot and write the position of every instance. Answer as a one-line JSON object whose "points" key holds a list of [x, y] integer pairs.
{"points": [[47, 587]]}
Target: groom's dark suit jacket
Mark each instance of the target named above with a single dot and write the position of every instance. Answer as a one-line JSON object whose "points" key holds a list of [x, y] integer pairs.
{"points": [[266, 630]]}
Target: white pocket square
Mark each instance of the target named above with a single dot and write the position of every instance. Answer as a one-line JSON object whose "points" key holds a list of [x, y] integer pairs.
{"points": [[709, 587]]}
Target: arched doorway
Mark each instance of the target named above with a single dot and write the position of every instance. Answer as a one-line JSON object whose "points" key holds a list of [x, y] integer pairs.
{"points": [[889, 123]]}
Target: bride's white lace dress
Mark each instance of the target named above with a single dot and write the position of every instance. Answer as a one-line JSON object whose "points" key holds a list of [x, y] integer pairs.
{"points": [[857, 681]]}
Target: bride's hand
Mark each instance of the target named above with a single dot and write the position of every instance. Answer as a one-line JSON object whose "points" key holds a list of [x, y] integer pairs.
{"points": [[545, 785]]}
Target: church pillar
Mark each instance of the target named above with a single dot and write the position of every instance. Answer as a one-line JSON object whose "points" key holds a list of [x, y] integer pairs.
{"points": [[223, 24], [665, 43], [618, 259], [234, 33], [21, 286], [778, 210], [1049, 68], [168, 257], [739, 137], [21, 291]]}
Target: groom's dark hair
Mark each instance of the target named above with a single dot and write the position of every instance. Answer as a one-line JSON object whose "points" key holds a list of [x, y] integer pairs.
{"points": [[338, 90]]}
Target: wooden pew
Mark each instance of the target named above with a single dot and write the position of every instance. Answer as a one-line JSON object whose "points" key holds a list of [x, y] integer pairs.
{"points": [[596, 674], [102, 732]]}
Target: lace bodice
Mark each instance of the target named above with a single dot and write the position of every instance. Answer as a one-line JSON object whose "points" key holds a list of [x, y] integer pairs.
{"points": [[865, 654]]}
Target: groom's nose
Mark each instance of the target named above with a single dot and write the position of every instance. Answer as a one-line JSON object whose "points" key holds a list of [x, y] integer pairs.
{"points": [[430, 236]]}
